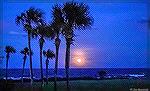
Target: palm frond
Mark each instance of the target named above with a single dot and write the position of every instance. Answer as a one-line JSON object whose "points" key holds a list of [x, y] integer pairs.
{"points": [[10, 49], [34, 33], [30, 19], [44, 31], [22, 52], [57, 15], [49, 33], [77, 15], [49, 54], [25, 51], [18, 19], [44, 53], [34, 15]]}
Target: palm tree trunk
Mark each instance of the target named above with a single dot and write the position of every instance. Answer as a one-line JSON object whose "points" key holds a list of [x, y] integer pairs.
{"points": [[41, 65], [30, 55], [57, 43], [47, 71], [67, 59], [7, 58], [24, 61]]}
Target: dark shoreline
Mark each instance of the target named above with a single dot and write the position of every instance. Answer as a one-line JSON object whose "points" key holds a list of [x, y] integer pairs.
{"points": [[78, 85]]}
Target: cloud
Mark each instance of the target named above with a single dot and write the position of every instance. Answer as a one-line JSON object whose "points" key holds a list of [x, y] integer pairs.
{"points": [[17, 33]]}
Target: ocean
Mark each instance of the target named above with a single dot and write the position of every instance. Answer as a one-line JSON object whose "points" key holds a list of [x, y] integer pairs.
{"points": [[77, 72]]}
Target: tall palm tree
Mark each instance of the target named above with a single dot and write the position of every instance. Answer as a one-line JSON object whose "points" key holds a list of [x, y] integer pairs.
{"points": [[76, 16], [28, 20], [25, 53], [43, 32], [49, 55], [56, 26], [9, 50]]}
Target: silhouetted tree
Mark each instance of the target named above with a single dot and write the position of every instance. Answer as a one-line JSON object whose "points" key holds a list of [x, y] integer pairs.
{"points": [[43, 31], [76, 16], [25, 53], [49, 55], [9, 50], [29, 19], [56, 26]]}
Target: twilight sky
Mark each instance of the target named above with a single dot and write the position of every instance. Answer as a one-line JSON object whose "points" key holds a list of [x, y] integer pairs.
{"points": [[117, 39]]}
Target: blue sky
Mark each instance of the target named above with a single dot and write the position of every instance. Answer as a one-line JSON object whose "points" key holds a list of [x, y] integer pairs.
{"points": [[117, 38]]}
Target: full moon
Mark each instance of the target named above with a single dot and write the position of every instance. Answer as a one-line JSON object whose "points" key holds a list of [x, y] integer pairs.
{"points": [[78, 60]]}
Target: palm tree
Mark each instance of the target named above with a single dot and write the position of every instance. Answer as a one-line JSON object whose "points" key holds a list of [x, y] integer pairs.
{"points": [[56, 26], [8, 50], [43, 32], [25, 52], [49, 55], [29, 19], [76, 16]]}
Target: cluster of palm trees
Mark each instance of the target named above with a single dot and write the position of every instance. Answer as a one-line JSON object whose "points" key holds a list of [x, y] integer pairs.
{"points": [[65, 19]]}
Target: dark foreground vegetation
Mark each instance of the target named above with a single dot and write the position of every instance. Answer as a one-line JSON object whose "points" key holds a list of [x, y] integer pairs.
{"points": [[78, 85]]}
